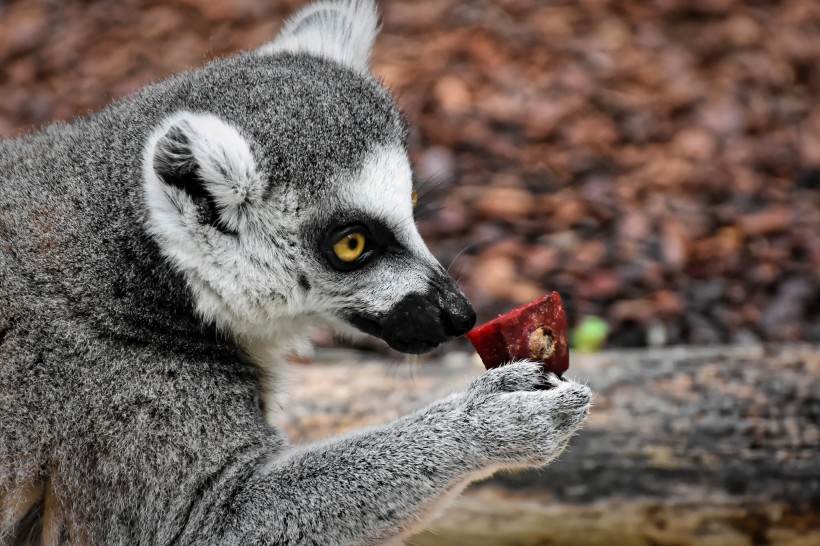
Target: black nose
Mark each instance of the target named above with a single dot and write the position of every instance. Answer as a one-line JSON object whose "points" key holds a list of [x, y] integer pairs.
{"points": [[420, 322], [458, 315]]}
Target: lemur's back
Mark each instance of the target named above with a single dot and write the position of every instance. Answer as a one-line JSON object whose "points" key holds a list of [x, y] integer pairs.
{"points": [[29, 244], [101, 350], [98, 383]]}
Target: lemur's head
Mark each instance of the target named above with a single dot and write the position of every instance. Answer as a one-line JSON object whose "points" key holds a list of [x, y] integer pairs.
{"points": [[283, 192]]}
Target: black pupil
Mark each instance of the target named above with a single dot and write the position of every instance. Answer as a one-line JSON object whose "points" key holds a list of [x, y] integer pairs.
{"points": [[352, 242]]}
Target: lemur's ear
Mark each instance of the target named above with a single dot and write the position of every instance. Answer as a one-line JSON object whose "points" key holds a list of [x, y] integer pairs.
{"points": [[340, 30], [199, 167]]}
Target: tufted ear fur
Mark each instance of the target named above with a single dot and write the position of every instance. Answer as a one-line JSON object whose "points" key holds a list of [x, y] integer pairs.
{"points": [[199, 168], [339, 30]]}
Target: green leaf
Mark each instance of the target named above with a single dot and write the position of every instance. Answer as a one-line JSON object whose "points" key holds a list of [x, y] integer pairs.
{"points": [[589, 335]]}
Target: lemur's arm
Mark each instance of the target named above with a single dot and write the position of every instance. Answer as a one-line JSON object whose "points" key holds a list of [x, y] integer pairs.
{"points": [[374, 484]]}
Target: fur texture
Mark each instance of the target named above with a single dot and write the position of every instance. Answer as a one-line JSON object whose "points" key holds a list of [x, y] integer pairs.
{"points": [[158, 258]]}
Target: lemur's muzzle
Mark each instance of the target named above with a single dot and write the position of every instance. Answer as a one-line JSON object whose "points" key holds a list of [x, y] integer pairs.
{"points": [[421, 322]]}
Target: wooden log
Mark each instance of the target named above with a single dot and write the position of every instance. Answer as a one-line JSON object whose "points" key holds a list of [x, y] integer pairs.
{"points": [[684, 446], [689, 424]]}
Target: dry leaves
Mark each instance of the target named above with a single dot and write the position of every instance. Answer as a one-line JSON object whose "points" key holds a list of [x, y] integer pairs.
{"points": [[657, 162]]}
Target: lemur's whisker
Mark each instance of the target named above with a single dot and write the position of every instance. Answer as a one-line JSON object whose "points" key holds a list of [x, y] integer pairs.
{"points": [[458, 255]]}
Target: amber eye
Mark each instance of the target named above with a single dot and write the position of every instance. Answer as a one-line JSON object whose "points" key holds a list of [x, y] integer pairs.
{"points": [[350, 247], [415, 198]]}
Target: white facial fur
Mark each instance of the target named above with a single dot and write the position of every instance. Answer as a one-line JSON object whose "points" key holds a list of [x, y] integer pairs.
{"points": [[226, 277], [382, 189], [248, 282]]}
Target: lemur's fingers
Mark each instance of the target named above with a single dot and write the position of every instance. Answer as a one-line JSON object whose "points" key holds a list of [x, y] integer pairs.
{"points": [[532, 427], [568, 397], [513, 377]]}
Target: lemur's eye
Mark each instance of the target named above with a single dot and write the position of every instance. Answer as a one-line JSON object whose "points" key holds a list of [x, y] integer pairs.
{"points": [[415, 198], [350, 247]]}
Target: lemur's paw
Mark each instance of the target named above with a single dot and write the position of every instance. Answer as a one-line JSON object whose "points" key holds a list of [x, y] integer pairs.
{"points": [[523, 375], [517, 421]]}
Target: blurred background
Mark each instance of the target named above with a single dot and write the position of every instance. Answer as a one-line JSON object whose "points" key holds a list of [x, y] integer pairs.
{"points": [[657, 162]]}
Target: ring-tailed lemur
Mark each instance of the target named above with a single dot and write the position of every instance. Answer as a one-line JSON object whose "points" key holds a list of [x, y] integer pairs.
{"points": [[156, 260]]}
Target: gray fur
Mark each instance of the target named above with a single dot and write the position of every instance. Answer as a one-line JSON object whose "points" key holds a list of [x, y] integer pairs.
{"points": [[140, 416]]}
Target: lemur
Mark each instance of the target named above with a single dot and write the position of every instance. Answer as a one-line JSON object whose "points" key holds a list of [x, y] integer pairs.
{"points": [[158, 259]]}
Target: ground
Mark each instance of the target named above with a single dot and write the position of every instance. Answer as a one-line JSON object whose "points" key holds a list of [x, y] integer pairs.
{"points": [[695, 446], [657, 162]]}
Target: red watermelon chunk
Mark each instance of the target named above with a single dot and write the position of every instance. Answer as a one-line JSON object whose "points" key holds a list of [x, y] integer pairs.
{"points": [[536, 331]]}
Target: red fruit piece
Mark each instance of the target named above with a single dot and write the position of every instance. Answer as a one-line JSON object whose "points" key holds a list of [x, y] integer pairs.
{"points": [[535, 331]]}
